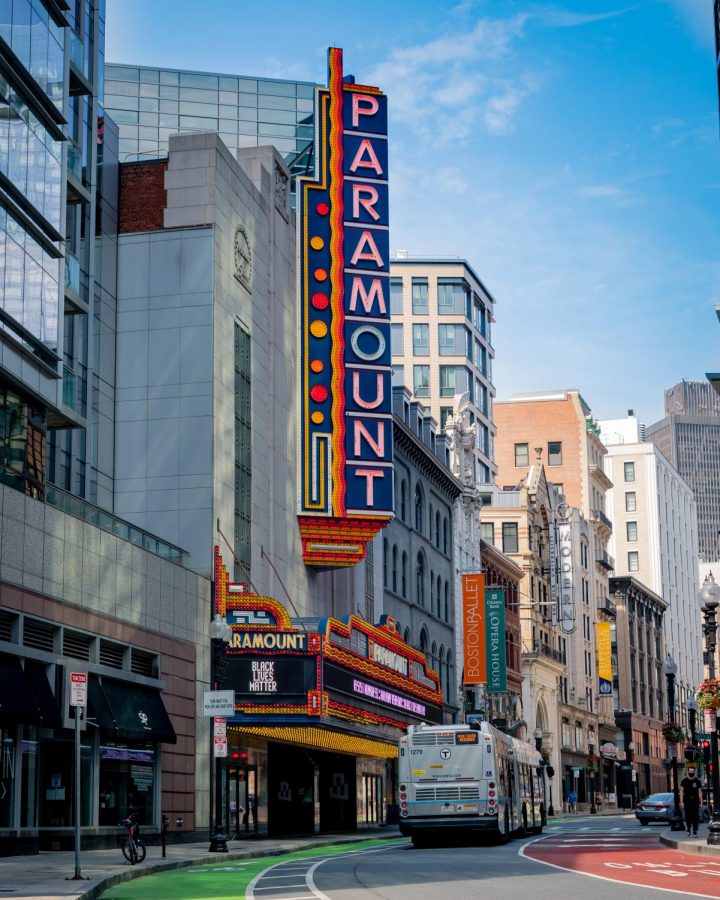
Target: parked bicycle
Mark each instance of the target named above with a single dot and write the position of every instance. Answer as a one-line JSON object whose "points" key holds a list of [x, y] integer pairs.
{"points": [[133, 848]]}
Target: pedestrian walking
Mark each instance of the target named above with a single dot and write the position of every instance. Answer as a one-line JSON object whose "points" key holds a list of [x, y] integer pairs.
{"points": [[572, 802], [691, 799]]}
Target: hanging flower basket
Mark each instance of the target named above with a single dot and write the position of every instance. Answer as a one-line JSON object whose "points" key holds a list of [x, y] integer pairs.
{"points": [[591, 764], [708, 695], [673, 733]]}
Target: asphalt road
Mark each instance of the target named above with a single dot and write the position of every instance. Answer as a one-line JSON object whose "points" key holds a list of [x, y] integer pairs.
{"points": [[619, 858]]}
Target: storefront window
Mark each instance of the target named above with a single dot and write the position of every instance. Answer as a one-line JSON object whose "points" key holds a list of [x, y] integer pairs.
{"points": [[29, 783], [7, 789], [57, 768], [127, 783]]}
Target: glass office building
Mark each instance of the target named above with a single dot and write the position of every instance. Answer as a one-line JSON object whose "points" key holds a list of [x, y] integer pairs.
{"points": [[151, 104]]}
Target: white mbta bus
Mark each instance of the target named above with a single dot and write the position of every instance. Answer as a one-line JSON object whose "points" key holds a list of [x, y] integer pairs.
{"points": [[469, 778]]}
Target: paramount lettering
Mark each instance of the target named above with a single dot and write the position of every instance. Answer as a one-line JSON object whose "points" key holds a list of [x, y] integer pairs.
{"points": [[268, 640]]}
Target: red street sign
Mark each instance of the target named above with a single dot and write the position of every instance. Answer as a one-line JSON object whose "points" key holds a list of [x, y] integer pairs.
{"points": [[220, 746], [78, 689]]}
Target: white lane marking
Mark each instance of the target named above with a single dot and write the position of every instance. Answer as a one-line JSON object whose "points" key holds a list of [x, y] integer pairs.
{"points": [[277, 887], [311, 881], [648, 887]]}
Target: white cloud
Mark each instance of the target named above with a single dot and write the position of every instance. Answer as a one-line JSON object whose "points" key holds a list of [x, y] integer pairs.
{"points": [[445, 89], [563, 18]]}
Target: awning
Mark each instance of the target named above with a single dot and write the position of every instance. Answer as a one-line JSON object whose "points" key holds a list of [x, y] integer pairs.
{"points": [[138, 712], [316, 738], [45, 701], [17, 703]]}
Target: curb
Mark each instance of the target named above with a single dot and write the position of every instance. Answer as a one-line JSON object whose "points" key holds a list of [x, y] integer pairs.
{"points": [[102, 883], [701, 849]]}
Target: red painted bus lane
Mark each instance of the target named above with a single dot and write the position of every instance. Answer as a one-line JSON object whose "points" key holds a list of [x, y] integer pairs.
{"points": [[629, 859]]}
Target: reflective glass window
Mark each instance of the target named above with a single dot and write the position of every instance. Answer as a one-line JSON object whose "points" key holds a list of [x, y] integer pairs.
{"points": [[279, 116], [419, 295], [276, 88], [123, 73], [421, 381], [396, 296], [198, 109], [227, 83], [148, 104], [149, 90], [396, 337], [194, 80], [247, 114], [247, 85], [277, 130], [196, 122], [169, 93], [168, 78], [279, 102], [421, 340], [123, 88], [306, 90], [198, 96], [114, 101]]}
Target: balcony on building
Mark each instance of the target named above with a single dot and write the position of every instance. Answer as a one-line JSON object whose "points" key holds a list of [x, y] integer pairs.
{"points": [[541, 649], [605, 561], [600, 518], [607, 607]]}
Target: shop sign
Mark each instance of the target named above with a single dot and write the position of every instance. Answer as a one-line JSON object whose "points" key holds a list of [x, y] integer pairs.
{"points": [[280, 677], [294, 641], [565, 555], [388, 658], [386, 696], [218, 703], [609, 750], [475, 662], [604, 658], [345, 373], [495, 639]]}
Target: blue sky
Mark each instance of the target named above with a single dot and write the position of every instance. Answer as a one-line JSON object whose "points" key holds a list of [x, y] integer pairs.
{"points": [[570, 151]]}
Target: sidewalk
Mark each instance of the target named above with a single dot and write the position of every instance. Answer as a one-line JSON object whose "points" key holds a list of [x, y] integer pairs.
{"points": [[679, 840], [45, 875]]}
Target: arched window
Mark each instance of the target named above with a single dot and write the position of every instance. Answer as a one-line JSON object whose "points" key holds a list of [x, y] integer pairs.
{"points": [[437, 530], [394, 567], [418, 507], [449, 675], [432, 591], [403, 500], [433, 656], [441, 673], [447, 602], [403, 575], [406, 636], [439, 597], [385, 563], [423, 640], [430, 521], [445, 535], [420, 580]]}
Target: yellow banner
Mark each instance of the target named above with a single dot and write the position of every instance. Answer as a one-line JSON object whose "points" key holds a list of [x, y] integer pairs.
{"points": [[604, 657]]}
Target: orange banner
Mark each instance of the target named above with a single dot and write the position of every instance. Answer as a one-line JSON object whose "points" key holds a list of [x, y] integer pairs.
{"points": [[474, 649]]}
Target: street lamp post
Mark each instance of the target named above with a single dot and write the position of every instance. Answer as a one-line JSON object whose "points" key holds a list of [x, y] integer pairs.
{"points": [[692, 720], [709, 604], [670, 670], [550, 771], [220, 636]]}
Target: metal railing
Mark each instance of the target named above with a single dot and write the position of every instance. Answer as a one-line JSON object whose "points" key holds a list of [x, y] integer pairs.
{"points": [[601, 517], [88, 512], [605, 560]]}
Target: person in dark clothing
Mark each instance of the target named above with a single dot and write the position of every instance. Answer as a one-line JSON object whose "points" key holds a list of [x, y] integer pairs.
{"points": [[691, 798]]}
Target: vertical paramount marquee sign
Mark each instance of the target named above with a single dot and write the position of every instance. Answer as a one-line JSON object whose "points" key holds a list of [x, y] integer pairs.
{"points": [[345, 439]]}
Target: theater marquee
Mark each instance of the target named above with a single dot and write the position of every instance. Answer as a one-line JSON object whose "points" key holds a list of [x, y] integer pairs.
{"points": [[344, 384]]}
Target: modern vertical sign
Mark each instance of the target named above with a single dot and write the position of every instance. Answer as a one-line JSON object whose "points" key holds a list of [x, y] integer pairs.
{"points": [[565, 564], [345, 443], [495, 641], [474, 652], [604, 658], [554, 585]]}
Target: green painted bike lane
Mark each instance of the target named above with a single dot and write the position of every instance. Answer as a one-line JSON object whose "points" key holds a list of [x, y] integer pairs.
{"points": [[222, 881]]}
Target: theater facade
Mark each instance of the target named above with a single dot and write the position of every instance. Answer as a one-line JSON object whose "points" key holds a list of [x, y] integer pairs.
{"points": [[319, 707]]}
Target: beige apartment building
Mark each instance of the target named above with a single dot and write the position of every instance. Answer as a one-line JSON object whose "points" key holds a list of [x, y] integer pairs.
{"points": [[442, 317], [560, 425], [656, 542]]}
